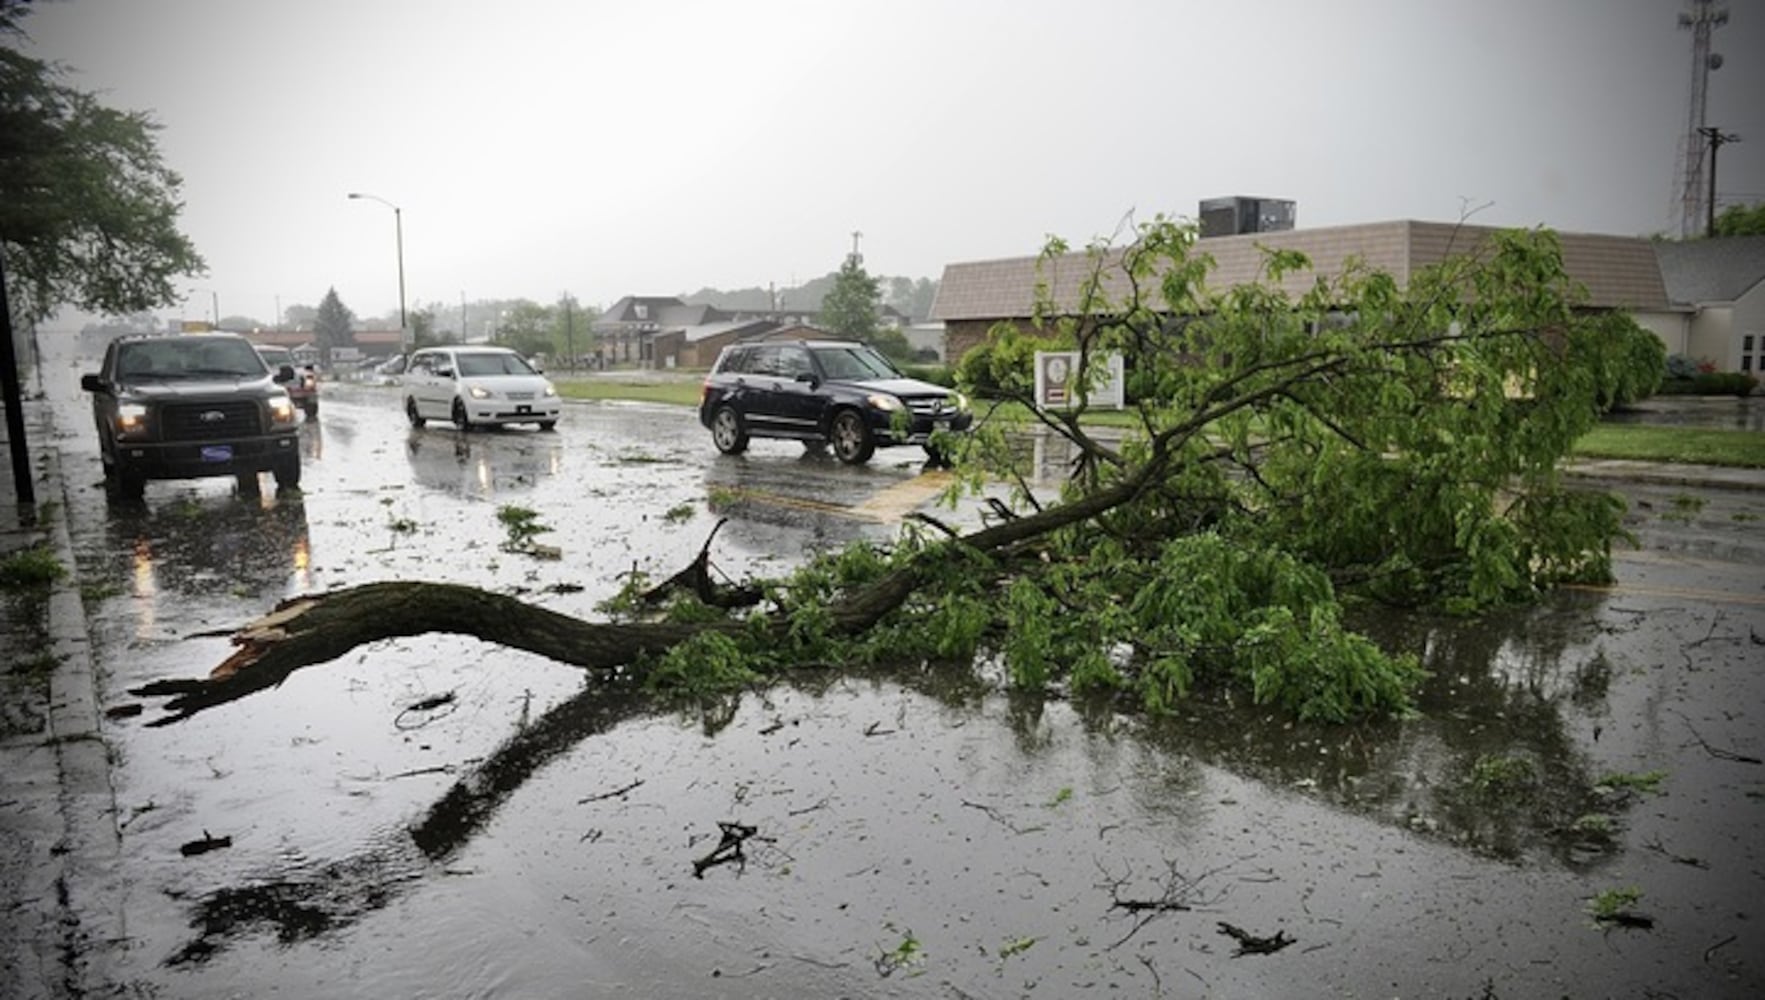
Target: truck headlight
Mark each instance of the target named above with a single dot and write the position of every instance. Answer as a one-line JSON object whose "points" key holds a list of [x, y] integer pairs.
{"points": [[131, 419], [282, 410]]}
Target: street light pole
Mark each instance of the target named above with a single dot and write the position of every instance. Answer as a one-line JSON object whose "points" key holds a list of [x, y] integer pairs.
{"points": [[398, 229]]}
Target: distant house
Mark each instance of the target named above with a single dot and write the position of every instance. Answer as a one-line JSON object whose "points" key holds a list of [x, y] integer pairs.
{"points": [[304, 343], [1717, 290], [1619, 272], [666, 332]]}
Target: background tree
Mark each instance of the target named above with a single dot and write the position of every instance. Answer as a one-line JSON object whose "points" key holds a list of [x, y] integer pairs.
{"points": [[527, 328], [1396, 443], [423, 328], [333, 326], [1741, 220], [912, 298], [849, 310], [88, 212]]}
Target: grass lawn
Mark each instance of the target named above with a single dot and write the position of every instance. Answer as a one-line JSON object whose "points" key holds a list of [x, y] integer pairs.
{"points": [[676, 392], [1707, 446]]}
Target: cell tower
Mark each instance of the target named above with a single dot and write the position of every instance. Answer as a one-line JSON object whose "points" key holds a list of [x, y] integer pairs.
{"points": [[1702, 17]]}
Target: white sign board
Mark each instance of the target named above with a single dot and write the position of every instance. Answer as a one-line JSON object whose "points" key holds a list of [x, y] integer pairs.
{"points": [[1057, 382]]}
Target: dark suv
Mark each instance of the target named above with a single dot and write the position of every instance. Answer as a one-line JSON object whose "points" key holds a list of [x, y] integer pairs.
{"points": [[182, 406], [835, 392]]}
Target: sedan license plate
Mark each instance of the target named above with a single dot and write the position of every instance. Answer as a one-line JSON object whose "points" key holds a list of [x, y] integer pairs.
{"points": [[217, 453]]}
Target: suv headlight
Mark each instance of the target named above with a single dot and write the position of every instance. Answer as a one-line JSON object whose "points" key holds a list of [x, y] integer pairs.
{"points": [[281, 410], [885, 402], [478, 392], [131, 419]]}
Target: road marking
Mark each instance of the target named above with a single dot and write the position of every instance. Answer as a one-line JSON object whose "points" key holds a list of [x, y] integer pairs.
{"points": [[904, 498], [1726, 596], [887, 506]]}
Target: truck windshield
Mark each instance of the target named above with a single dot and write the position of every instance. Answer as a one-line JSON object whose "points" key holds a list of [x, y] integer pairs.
{"points": [[194, 357]]}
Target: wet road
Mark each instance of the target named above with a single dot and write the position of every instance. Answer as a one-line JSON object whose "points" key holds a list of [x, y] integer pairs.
{"points": [[915, 836]]}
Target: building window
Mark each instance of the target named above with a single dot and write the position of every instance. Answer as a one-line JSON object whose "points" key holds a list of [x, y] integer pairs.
{"points": [[1746, 344], [1746, 362]]}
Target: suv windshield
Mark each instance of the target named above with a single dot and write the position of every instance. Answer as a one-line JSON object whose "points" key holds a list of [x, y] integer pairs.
{"points": [[856, 362], [195, 357], [494, 364]]}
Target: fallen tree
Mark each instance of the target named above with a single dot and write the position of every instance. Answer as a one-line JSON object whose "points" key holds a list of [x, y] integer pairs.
{"points": [[1364, 438]]}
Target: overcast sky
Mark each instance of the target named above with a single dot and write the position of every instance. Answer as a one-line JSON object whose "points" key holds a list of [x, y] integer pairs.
{"points": [[538, 147]]}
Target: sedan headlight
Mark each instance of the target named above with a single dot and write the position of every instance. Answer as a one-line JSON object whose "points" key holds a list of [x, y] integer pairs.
{"points": [[131, 419], [885, 402], [282, 410], [478, 392]]}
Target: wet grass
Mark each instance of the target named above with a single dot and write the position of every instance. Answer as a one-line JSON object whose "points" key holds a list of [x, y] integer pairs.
{"points": [[30, 568], [1704, 446], [674, 392], [1700, 445]]}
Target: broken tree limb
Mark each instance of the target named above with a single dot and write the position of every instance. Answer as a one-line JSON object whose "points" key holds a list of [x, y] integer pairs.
{"points": [[319, 628], [696, 580]]}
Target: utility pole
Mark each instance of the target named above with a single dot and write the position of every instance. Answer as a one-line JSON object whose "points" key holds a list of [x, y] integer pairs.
{"points": [[570, 329], [1716, 137], [856, 236], [1701, 18]]}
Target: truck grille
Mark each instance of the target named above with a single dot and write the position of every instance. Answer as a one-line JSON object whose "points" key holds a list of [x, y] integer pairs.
{"points": [[202, 421]]}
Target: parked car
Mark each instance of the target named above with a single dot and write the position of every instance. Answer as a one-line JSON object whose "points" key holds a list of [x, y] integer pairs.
{"points": [[183, 406], [304, 390], [477, 385], [840, 393]]}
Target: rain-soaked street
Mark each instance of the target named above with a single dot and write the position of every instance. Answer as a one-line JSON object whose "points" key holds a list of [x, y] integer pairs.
{"points": [[439, 817]]}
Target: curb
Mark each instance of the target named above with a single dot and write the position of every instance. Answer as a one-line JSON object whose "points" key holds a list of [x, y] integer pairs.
{"points": [[85, 911]]}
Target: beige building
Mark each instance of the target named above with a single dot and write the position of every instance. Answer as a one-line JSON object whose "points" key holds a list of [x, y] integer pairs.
{"points": [[1619, 272]]}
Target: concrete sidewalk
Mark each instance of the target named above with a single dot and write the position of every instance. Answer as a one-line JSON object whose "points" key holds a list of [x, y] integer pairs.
{"points": [[58, 836]]}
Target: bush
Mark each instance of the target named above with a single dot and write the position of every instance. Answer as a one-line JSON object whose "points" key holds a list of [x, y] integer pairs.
{"points": [[937, 374], [1711, 384], [1681, 367]]}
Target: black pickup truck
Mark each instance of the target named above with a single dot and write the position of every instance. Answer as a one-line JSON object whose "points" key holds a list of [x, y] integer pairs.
{"points": [[182, 406]]}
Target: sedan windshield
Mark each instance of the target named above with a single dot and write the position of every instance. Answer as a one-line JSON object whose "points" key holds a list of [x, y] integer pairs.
{"points": [[856, 362], [494, 364]]}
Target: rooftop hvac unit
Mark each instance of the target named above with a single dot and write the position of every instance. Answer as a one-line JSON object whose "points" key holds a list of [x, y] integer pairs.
{"points": [[1232, 216]]}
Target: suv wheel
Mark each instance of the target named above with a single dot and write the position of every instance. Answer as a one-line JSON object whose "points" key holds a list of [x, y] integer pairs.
{"points": [[728, 432], [850, 438], [411, 414], [461, 420]]}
